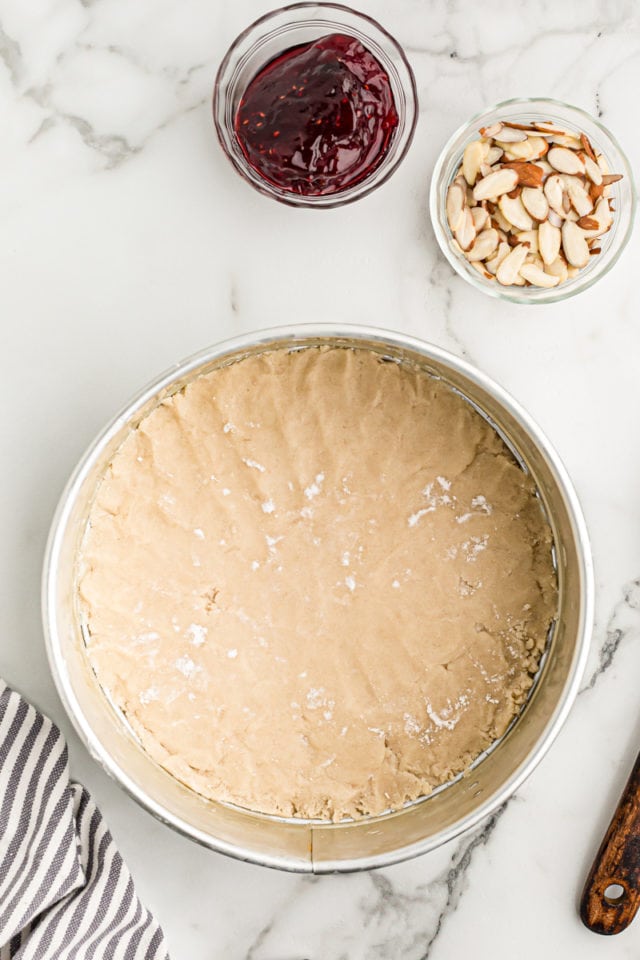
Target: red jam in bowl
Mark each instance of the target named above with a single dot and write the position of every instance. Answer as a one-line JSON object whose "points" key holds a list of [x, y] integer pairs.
{"points": [[319, 118]]}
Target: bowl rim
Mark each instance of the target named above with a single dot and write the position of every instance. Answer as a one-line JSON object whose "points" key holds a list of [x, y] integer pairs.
{"points": [[339, 199], [556, 294], [306, 332]]}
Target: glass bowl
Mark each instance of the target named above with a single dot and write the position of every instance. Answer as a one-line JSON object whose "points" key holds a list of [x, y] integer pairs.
{"points": [[568, 118], [298, 24]]}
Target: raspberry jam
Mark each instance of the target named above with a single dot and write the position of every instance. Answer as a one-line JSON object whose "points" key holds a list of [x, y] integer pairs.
{"points": [[319, 118]]}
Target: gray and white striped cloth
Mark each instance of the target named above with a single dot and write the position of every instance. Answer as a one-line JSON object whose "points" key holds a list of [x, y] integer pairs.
{"points": [[65, 892]]}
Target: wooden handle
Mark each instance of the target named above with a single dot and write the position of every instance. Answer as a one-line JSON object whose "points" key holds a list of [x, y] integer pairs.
{"points": [[611, 894]]}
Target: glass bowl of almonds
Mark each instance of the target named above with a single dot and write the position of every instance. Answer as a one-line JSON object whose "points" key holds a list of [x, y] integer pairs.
{"points": [[532, 201]]}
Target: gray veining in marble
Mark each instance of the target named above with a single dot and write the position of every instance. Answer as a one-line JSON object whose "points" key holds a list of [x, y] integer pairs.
{"points": [[623, 625]]}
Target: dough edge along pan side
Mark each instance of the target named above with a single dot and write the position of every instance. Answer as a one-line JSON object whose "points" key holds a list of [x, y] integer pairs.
{"points": [[312, 846]]}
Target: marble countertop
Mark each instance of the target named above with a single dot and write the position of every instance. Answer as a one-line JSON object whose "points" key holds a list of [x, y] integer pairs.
{"points": [[128, 242]]}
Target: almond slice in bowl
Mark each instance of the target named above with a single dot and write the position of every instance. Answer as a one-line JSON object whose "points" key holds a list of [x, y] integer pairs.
{"points": [[456, 201], [472, 159], [510, 134], [549, 240], [484, 246], [580, 199], [565, 160], [502, 181], [513, 210], [466, 232], [535, 203], [537, 277], [510, 266], [574, 244], [554, 191]]}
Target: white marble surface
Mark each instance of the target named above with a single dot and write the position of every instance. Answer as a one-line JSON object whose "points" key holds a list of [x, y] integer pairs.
{"points": [[127, 242]]}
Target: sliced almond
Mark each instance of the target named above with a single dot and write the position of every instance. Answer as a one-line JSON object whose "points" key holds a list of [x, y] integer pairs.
{"points": [[564, 160], [588, 149], [574, 244], [549, 238], [518, 151], [480, 218], [558, 269], [596, 190], [537, 277], [602, 213], [492, 131], [601, 160], [509, 269], [572, 272], [466, 232], [474, 155], [593, 171], [535, 203], [513, 210], [500, 223], [518, 126], [486, 243], [502, 252], [502, 181], [455, 206], [486, 169], [566, 140], [554, 191], [540, 147], [493, 155], [529, 174], [588, 223], [480, 267], [548, 127], [611, 178], [530, 238], [580, 199], [554, 219], [509, 135], [573, 178]]}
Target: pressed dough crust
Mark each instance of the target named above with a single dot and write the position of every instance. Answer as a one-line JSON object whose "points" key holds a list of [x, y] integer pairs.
{"points": [[317, 583]]}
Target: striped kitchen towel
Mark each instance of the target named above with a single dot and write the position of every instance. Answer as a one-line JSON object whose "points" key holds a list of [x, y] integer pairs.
{"points": [[65, 892]]}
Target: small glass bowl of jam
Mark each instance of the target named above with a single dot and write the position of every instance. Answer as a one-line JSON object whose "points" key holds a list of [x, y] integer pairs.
{"points": [[315, 105]]}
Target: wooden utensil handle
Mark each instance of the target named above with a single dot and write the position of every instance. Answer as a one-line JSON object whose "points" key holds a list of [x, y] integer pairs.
{"points": [[611, 895]]}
